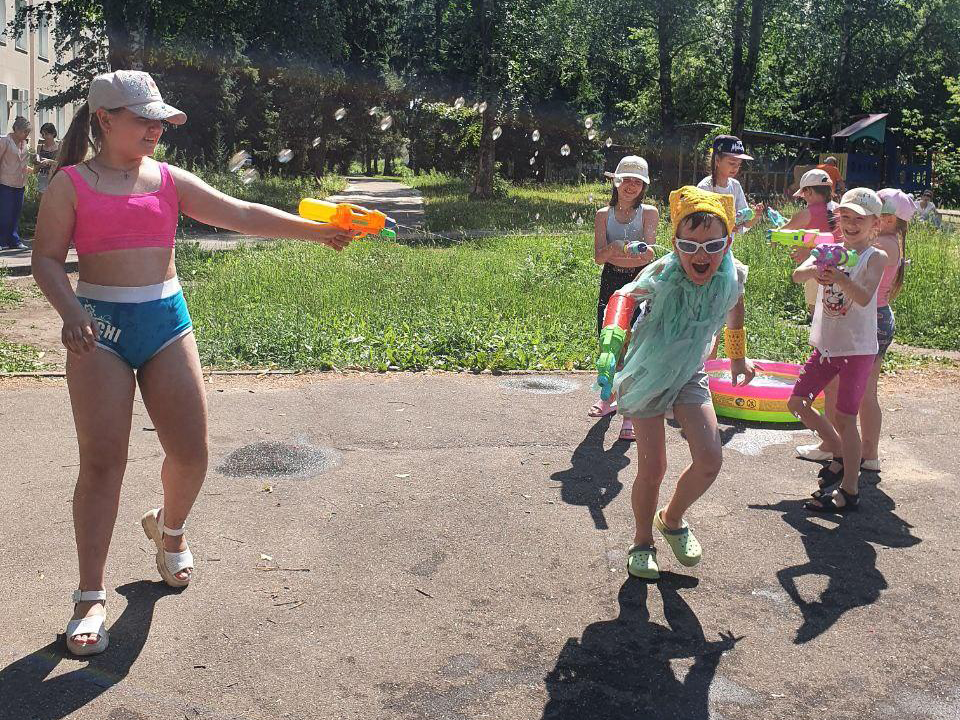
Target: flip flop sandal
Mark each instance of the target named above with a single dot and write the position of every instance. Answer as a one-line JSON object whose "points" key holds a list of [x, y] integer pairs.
{"points": [[90, 625], [642, 562], [685, 546], [628, 434], [828, 503], [168, 563], [597, 411]]}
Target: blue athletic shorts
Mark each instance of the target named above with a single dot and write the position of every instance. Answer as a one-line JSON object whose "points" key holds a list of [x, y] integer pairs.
{"points": [[136, 323]]}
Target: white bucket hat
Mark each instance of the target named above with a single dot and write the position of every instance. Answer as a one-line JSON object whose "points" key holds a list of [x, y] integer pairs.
{"points": [[813, 178], [631, 166], [134, 90]]}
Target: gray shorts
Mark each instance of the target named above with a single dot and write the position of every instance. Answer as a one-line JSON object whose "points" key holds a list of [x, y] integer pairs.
{"points": [[696, 391]]}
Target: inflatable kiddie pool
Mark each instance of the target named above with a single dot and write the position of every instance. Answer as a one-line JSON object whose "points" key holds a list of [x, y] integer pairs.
{"points": [[763, 400]]}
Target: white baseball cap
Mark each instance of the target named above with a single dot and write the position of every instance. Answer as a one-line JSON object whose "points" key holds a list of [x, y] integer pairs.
{"points": [[632, 166], [134, 90], [862, 201], [813, 178]]}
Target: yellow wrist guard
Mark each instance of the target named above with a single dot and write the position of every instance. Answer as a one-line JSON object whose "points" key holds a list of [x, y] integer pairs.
{"points": [[735, 342]]}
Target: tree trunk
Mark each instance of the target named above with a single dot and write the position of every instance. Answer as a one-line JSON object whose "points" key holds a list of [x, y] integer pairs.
{"points": [[744, 69], [127, 34], [665, 41], [483, 182], [486, 85]]}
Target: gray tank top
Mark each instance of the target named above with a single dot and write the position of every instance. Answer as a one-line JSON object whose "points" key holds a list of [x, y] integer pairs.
{"points": [[624, 232]]}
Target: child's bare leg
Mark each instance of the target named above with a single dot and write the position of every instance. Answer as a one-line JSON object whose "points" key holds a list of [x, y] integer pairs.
{"points": [[651, 467], [830, 407], [803, 409], [871, 416], [699, 423], [850, 443]]}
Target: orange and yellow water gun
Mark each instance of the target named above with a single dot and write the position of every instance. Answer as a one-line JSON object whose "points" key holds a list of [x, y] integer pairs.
{"points": [[349, 217]]}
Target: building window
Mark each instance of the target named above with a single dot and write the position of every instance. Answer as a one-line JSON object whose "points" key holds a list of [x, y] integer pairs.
{"points": [[43, 38], [3, 22], [4, 108], [59, 122], [21, 39], [21, 103]]}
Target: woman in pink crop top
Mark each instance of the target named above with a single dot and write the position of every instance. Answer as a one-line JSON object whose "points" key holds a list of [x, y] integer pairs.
{"points": [[127, 322]]}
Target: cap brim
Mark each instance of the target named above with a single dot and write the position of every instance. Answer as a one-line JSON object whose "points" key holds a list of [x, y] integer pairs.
{"points": [[741, 156], [799, 193], [626, 175], [159, 110], [859, 210]]}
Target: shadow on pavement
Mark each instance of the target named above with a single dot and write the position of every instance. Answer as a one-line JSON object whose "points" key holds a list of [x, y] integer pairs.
{"points": [[28, 692], [844, 554], [592, 479], [622, 668]]}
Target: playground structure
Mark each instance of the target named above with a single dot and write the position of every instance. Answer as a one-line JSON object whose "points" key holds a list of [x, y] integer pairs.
{"points": [[870, 155]]}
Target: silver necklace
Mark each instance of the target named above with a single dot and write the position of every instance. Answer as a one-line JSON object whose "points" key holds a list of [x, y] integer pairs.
{"points": [[124, 173]]}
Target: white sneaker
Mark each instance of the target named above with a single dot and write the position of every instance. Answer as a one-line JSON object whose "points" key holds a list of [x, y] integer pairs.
{"points": [[813, 452], [871, 465]]}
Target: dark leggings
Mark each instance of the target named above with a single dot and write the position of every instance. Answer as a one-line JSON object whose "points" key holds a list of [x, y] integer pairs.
{"points": [[612, 279]]}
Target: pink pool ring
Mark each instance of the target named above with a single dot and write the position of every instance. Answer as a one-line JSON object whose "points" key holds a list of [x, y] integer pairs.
{"points": [[764, 399]]}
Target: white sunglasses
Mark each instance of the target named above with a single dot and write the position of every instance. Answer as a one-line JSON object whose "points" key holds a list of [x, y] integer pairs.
{"points": [[689, 247]]}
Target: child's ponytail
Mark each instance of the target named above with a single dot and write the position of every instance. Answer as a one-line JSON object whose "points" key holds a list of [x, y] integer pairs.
{"points": [[84, 131], [902, 226]]}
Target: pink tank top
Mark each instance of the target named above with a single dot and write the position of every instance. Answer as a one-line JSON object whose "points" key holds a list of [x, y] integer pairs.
{"points": [[889, 275], [820, 220], [117, 222]]}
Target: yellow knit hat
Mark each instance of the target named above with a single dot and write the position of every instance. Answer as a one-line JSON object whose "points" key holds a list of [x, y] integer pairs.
{"points": [[688, 200]]}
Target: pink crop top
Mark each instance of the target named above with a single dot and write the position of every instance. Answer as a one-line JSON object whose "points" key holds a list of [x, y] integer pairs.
{"points": [[117, 222]]}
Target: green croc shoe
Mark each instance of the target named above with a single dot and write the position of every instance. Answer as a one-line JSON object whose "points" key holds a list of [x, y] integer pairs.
{"points": [[642, 562], [684, 545]]}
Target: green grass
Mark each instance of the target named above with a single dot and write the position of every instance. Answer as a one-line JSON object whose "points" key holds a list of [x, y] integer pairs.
{"points": [[506, 302], [10, 295], [526, 207], [15, 357]]}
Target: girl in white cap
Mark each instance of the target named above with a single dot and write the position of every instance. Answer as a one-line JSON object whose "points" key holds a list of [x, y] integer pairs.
{"points": [[844, 338], [627, 219], [127, 322], [725, 163]]}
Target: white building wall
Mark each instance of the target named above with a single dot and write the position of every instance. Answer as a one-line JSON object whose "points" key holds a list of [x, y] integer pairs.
{"points": [[25, 76]]}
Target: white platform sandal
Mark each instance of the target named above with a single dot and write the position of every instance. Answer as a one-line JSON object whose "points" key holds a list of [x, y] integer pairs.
{"points": [[90, 625], [168, 563]]}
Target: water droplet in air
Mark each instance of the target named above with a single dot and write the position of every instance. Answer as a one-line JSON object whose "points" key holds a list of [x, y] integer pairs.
{"points": [[373, 111], [591, 134], [588, 123], [537, 216], [565, 150], [609, 142], [535, 154], [533, 160], [497, 132], [340, 114], [535, 136], [458, 103], [316, 141], [386, 123], [580, 220], [482, 107], [285, 155], [237, 160], [249, 175]]}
